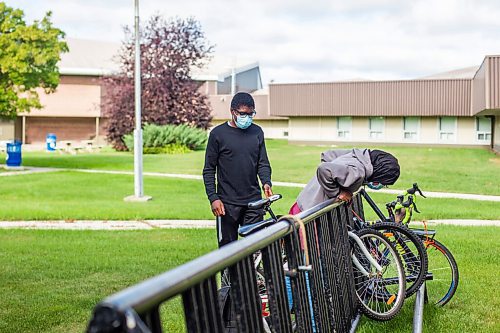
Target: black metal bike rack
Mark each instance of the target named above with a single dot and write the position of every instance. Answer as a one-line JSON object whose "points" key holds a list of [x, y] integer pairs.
{"points": [[324, 299]]}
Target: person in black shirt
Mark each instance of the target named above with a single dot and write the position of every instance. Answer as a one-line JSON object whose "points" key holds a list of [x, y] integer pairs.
{"points": [[236, 151]]}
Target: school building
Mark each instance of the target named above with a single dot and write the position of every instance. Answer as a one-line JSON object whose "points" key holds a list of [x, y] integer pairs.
{"points": [[73, 112], [458, 108]]}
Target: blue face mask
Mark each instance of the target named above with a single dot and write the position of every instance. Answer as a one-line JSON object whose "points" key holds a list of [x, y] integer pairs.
{"points": [[375, 186], [243, 122]]}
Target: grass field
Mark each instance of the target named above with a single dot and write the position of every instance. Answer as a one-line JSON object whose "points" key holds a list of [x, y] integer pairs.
{"points": [[473, 307], [52, 279], [69, 195], [73, 195], [462, 170]]}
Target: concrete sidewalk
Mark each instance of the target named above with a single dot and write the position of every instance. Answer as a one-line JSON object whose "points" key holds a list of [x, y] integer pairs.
{"points": [[465, 196], [25, 171], [169, 224]]}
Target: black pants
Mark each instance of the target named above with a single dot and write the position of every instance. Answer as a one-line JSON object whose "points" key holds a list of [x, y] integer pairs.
{"points": [[228, 224]]}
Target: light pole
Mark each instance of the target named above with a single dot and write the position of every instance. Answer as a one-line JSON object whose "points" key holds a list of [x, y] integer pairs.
{"points": [[138, 181]]}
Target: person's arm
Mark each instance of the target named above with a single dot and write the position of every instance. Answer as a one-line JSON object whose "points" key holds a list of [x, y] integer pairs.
{"points": [[341, 177], [264, 169], [211, 158], [327, 179]]}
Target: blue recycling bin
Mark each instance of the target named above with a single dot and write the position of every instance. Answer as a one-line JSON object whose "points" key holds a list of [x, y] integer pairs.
{"points": [[51, 142], [14, 158]]}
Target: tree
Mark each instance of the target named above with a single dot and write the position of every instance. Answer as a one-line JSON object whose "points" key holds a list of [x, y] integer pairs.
{"points": [[170, 49], [28, 60]]}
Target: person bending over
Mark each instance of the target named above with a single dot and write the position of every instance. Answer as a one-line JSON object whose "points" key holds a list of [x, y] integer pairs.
{"points": [[343, 171]]}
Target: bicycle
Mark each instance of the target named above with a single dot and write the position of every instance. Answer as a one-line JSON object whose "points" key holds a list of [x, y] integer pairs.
{"points": [[408, 244], [244, 231], [378, 270], [443, 267]]}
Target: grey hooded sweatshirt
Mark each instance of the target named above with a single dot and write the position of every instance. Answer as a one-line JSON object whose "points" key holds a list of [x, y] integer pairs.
{"points": [[341, 168]]}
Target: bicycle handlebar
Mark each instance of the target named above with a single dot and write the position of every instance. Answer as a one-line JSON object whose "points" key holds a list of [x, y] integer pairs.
{"points": [[410, 202], [415, 189]]}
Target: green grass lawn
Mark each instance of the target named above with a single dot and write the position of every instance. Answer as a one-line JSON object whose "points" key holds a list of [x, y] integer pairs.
{"points": [[50, 280], [462, 170], [72, 195], [473, 307], [69, 195]]}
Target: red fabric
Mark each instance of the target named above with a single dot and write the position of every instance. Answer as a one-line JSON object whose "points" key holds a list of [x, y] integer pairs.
{"points": [[294, 210]]}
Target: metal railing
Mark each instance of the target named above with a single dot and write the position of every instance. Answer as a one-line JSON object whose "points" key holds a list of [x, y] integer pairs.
{"points": [[323, 298]]}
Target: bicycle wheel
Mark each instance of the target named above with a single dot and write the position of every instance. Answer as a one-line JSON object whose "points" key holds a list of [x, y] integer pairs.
{"points": [[412, 251], [381, 294], [262, 290], [444, 269]]}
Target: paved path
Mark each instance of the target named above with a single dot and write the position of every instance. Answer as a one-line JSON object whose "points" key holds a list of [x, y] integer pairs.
{"points": [[25, 171], [166, 224], [465, 196]]}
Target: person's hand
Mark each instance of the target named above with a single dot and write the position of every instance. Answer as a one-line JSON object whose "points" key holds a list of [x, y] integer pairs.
{"points": [[400, 214], [218, 208], [268, 190], [344, 195]]}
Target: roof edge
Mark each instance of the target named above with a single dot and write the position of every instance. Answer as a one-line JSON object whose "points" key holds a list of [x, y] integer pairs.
{"points": [[85, 71]]}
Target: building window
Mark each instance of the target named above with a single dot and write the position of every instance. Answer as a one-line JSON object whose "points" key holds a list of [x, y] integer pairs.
{"points": [[376, 127], [483, 128], [410, 128], [344, 125], [447, 128]]}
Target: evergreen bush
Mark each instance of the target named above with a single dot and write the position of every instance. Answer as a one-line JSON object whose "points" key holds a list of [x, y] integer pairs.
{"points": [[168, 139]]}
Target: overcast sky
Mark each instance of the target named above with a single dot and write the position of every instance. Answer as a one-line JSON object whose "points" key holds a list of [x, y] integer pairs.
{"points": [[313, 40]]}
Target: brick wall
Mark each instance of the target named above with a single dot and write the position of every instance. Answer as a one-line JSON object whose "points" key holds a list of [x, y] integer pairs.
{"points": [[37, 128]]}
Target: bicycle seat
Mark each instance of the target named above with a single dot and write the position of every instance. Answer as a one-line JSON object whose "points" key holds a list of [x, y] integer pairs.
{"points": [[262, 202], [248, 229]]}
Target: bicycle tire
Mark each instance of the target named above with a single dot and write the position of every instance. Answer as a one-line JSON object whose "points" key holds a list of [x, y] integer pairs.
{"points": [[380, 295], [435, 251], [414, 259]]}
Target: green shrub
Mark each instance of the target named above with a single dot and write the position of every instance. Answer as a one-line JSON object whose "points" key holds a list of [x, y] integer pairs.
{"points": [[129, 141], [193, 138], [172, 148], [170, 137]]}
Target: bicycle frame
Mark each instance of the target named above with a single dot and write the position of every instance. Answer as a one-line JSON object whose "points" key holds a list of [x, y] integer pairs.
{"points": [[366, 254], [374, 206]]}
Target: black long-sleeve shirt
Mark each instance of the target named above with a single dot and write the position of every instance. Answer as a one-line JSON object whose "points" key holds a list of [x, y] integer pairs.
{"points": [[238, 156]]}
